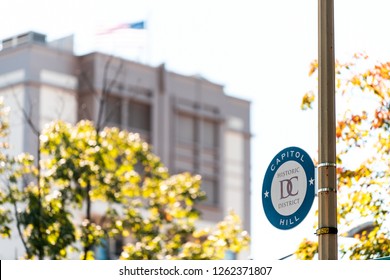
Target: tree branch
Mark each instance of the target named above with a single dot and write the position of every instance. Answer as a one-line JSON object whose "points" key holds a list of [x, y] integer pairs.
{"points": [[36, 131], [106, 89], [13, 201]]}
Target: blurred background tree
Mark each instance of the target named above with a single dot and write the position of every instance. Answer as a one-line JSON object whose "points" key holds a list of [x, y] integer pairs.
{"points": [[363, 156], [139, 201]]}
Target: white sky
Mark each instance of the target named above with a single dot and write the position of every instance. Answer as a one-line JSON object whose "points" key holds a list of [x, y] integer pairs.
{"points": [[260, 50]]}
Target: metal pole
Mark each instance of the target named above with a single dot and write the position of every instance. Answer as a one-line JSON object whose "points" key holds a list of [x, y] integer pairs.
{"points": [[327, 186]]}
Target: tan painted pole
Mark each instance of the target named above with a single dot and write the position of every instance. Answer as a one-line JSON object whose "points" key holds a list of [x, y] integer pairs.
{"points": [[327, 186]]}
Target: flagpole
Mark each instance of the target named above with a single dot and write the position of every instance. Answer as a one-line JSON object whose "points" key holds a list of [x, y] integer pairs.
{"points": [[327, 186]]}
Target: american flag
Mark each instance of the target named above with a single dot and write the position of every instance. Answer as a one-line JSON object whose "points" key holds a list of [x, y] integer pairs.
{"points": [[123, 26], [128, 40]]}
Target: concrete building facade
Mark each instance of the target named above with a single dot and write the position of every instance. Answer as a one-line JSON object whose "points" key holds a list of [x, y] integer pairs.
{"points": [[190, 122]]}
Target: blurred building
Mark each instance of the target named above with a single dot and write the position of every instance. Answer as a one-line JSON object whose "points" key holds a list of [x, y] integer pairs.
{"points": [[190, 122]]}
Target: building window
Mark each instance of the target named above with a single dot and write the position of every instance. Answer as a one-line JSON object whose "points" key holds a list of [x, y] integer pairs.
{"points": [[210, 161], [197, 152], [186, 129], [113, 110], [209, 186], [138, 116], [185, 150], [210, 134], [139, 119]]}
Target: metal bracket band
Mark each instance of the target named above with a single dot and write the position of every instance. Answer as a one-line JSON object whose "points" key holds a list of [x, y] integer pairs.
{"points": [[327, 190], [326, 230], [326, 164]]}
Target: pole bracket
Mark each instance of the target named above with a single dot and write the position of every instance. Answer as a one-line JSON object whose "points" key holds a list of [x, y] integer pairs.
{"points": [[327, 190], [326, 164], [326, 230]]}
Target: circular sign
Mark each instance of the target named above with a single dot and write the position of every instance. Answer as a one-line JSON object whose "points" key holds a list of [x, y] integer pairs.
{"points": [[288, 188]]}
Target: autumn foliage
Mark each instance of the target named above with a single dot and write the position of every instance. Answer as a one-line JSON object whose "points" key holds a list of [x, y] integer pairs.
{"points": [[363, 155], [140, 202]]}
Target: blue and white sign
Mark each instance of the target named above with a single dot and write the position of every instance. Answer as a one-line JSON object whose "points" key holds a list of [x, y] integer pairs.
{"points": [[288, 188]]}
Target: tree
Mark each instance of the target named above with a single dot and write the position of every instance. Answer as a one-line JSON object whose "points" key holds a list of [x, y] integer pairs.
{"points": [[142, 202], [363, 155]]}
